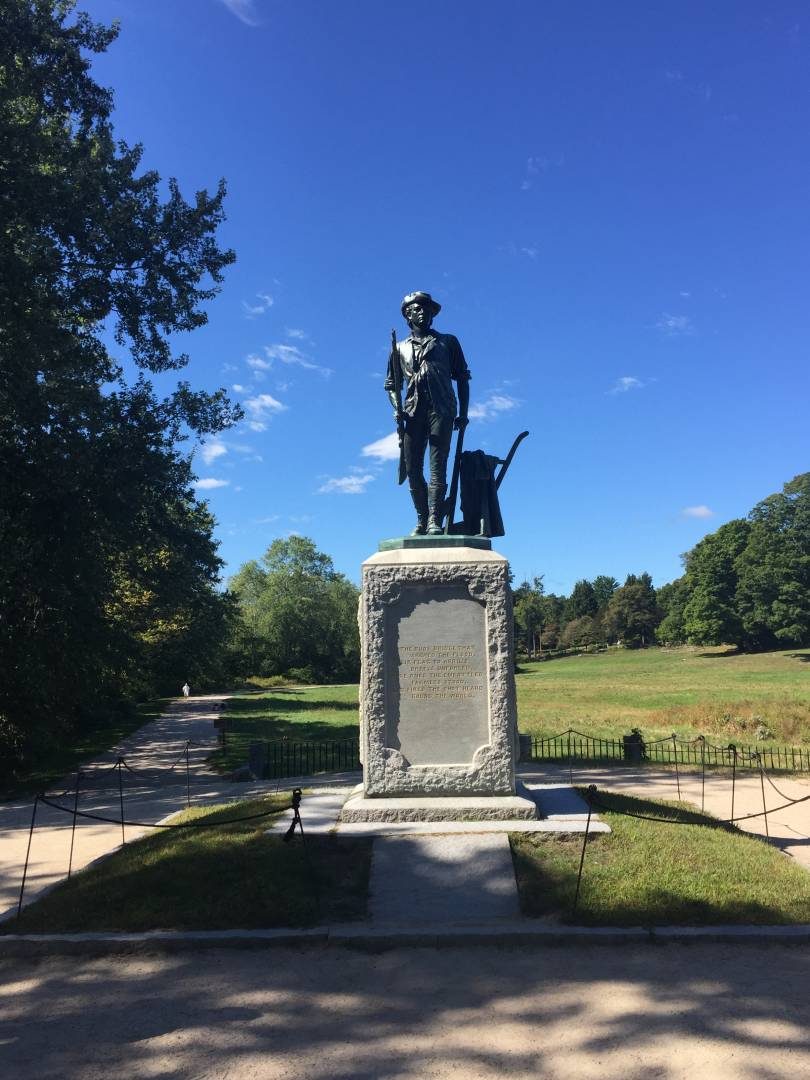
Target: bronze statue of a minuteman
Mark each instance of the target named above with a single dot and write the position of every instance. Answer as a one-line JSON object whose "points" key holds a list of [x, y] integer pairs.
{"points": [[428, 362]]}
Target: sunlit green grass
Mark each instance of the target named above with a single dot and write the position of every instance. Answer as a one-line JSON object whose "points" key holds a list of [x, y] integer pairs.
{"points": [[301, 714], [688, 691], [228, 877], [646, 873]]}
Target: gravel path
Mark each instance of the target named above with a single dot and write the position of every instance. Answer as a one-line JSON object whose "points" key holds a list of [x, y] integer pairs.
{"points": [[633, 1013]]}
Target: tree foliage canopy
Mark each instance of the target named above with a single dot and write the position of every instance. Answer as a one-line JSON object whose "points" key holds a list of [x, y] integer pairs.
{"points": [[108, 565], [297, 615]]}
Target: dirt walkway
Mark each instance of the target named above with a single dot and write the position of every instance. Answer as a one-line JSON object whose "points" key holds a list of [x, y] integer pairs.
{"points": [[669, 1013], [150, 752]]}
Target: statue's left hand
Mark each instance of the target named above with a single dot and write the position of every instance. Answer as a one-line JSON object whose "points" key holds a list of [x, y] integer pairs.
{"points": [[460, 423]]}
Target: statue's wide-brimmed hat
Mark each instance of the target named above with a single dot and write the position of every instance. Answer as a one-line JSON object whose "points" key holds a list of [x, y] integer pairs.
{"points": [[423, 298]]}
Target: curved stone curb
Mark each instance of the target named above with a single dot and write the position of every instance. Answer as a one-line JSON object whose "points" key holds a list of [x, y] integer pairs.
{"points": [[382, 938]]}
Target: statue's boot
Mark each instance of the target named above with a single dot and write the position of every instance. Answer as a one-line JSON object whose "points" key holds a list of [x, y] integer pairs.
{"points": [[435, 509], [419, 494]]}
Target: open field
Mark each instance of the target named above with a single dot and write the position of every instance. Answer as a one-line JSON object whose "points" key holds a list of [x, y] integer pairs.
{"points": [[751, 698], [690, 691]]}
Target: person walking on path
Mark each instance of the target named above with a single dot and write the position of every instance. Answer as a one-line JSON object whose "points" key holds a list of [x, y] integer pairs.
{"points": [[186, 689]]}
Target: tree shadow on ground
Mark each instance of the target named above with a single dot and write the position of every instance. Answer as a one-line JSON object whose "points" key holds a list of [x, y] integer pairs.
{"points": [[277, 703], [635, 1012]]}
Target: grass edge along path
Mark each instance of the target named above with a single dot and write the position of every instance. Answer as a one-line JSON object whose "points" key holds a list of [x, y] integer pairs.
{"points": [[691, 870], [229, 877]]}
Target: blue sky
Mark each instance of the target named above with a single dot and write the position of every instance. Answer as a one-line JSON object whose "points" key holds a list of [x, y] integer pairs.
{"points": [[609, 200]]}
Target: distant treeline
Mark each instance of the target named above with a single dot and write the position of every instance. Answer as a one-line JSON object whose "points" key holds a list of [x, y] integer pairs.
{"points": [[747, 584]]}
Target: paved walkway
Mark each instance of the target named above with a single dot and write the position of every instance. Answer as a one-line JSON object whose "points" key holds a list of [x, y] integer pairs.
{"points": [[632, 1013], [150, 752]]}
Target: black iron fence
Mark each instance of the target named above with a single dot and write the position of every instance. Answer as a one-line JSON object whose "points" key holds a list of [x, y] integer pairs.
{"points": [[572, 745], [280, 760]]}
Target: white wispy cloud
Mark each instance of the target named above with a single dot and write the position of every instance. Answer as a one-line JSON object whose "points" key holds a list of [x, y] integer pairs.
{"points": [[536, 165], [355, 484], [291, 354], [675, 325], [244, 10], [238, 388], [625, 383], [492, 406], [296, 334], [210, 451], [697, 512], [259, 408], [207, 483], [252, 311], [384, 449], [257, 363]]}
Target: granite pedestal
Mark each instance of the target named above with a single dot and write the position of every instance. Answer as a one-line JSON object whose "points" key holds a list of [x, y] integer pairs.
{"points": [[438, 719]]}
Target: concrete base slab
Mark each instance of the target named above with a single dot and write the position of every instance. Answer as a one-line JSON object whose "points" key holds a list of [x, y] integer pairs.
{"points": [[444, 828], [442, 879], [458, 808]]}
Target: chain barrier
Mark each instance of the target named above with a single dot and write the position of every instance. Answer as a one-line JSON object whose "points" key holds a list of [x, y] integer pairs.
{"points": [[43, 800], [591, 797]]}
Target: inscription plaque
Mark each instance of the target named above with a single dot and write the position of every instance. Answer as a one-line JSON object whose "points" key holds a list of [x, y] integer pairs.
{"points": [[436, 675]]}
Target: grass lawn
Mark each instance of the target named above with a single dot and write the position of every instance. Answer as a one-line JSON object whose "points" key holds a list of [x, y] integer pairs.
{"points": [[689, 691], [230, 877], [302, 714], [61, 760], [650, 874]]}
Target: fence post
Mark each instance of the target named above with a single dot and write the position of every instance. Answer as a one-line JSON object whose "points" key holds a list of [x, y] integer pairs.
{"points": [[589, 795], [75, 813], [702, 772], [733, 750], [188, 780], [764, 803], [570, 765], [675, 756], [121, 799], [27, 854]]}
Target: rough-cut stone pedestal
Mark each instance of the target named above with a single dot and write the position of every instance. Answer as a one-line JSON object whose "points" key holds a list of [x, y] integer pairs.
{"points": [[438, 718]]}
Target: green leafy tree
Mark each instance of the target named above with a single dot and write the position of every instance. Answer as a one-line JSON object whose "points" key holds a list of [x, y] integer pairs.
{"points": [[582, 601], [773, 569], [672, 598], [633, 613], [604, 586], [529, 614], [710, 616], [106, 558], [298, 615], [583, 631]]}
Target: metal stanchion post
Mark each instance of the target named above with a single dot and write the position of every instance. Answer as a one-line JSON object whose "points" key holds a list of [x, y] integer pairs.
{"points": [[675, 756], [702, 772], [590, 796], [75, 811], [27, 854], [188, 781], [570, 764], [733, 750], [762, 783], [121, 799]]}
